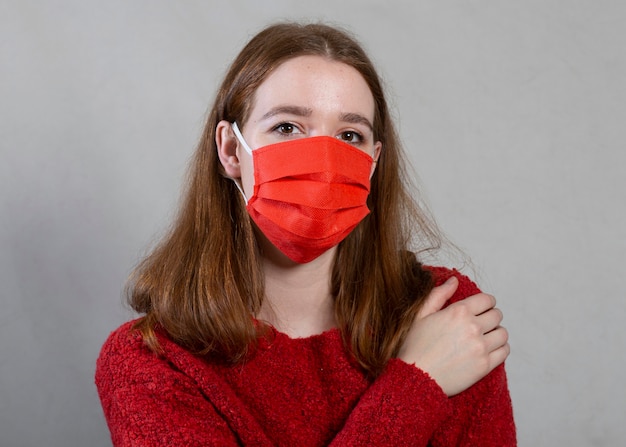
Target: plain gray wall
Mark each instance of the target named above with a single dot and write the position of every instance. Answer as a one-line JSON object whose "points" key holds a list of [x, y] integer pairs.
{"points": [[514, 115]]}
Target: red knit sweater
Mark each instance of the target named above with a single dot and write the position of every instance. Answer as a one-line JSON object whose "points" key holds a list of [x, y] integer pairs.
{"points": [[292, 392]]}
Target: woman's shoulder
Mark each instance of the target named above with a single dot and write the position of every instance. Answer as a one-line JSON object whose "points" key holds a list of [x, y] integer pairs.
{"points": [[121, 341], [122, 352], [126, 358], [126, 365], [467, 287]]}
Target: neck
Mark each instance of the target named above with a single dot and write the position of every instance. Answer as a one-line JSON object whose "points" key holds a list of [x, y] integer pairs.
{"points": [[298, 301]]}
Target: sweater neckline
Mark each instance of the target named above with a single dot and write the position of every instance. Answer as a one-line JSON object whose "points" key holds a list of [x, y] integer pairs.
{"points": [[275, 336], [328, 333]]}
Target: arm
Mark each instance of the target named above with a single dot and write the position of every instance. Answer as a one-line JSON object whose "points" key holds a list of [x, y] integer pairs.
{"points": [[408, 406], [404, 406], [481, 415], [147, 401]]}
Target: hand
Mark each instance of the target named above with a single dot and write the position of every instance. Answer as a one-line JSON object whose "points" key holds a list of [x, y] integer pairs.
{"points": [[459, 345]]}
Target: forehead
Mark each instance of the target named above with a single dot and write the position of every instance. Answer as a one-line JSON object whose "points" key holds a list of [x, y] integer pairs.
{"points": [[321, 84]]}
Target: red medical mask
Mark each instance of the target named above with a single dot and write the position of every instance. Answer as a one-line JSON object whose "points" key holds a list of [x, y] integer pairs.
{"points": [[309, 193]]}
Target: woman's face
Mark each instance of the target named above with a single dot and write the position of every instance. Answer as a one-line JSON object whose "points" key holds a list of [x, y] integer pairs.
{"points": [[304, 97]]}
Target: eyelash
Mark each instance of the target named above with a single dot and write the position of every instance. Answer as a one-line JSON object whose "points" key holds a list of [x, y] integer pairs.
{"points": [[359, 137], [278, 127], [346, 136]]}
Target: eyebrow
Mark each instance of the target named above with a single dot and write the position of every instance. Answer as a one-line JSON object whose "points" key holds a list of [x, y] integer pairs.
{"points": [[355, 118], [290, 110]]}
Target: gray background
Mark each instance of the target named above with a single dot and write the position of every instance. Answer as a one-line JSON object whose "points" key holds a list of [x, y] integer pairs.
{"points": [[514, 116]]}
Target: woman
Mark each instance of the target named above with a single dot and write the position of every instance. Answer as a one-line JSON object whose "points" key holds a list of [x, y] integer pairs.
{"points": [[284, 307]]}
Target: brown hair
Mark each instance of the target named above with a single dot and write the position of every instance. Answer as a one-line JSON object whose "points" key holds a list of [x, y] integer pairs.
{"points": [[204, 283]]}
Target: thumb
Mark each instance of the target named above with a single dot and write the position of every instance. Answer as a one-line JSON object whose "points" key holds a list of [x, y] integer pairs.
{"points": [[437, 297]]}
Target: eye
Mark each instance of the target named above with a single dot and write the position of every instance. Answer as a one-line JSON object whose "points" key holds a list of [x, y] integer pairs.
{"points": [[350, 136], [286, 129]]}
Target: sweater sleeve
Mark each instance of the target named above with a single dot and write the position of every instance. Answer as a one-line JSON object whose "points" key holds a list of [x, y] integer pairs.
{"points": [[147, 402], [404, 406], [481, 415]]}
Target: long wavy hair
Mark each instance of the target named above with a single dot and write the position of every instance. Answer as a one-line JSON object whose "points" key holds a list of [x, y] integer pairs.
{"points": [[204, 283]]}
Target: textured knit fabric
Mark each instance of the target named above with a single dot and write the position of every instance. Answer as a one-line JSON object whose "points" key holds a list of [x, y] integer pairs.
{"points": [[292, 392]]}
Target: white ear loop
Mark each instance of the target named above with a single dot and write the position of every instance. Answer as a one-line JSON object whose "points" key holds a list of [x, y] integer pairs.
{"points": [[247, 148], [240, 137]]}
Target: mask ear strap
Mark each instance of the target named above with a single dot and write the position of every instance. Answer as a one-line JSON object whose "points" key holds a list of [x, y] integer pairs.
{"points": [[240, 137], [237, 183], [247, 148]]}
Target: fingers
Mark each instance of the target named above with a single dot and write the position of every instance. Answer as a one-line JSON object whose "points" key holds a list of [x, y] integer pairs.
{"points": [[479, 303], [496, 339], [437, 298], [489, 320], [498, 356]]}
